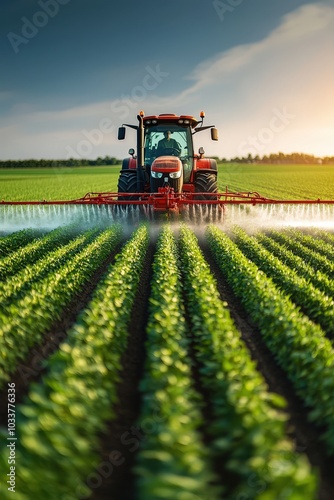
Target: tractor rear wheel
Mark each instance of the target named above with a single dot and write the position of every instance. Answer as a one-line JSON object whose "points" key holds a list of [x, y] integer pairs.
{"points": [[127, 183], [205, 182]]}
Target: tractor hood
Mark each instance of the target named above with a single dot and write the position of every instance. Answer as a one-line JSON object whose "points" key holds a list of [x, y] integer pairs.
{"points": [[166, 164], [167, 171]]}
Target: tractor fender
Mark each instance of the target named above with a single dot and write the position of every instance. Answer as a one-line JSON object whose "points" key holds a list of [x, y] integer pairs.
{"points": [[205, 164], [129, 163]]}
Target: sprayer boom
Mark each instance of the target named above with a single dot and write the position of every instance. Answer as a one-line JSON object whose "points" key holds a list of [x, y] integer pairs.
{"points": [[167, 199]]}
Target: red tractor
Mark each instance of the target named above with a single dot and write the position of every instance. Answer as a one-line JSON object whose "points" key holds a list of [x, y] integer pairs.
{"points": [[168, 177], [166, 161]]}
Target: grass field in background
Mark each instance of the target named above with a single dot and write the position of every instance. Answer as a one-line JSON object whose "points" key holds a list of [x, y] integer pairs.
{"points": [[279, 181], [56, 183], [274, 181]]}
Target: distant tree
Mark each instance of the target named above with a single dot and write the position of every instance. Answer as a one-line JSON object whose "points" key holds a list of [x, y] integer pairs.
{"points": [[273, 158]]}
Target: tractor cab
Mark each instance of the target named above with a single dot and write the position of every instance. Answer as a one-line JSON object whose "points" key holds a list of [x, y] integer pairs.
{"points": [[165, 155], [168, 146]]}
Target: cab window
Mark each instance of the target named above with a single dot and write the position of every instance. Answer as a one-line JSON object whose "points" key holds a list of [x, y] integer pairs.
{"points": [[179, 135]]}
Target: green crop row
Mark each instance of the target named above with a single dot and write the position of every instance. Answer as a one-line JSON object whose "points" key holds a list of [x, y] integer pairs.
{"points": [[60, 426], [248, 427], [17, 240], [298, 345], [318, 245], [34, 251], [313, 302], [16, 286], [318, 262], [23, 323], [288, 257], [323, 235], [172, 461]]}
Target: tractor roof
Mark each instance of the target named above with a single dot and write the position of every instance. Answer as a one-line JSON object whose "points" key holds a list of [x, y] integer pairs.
{"points": [[171, 118]]}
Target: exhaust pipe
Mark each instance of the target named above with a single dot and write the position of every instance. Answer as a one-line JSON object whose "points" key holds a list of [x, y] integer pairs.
{"points": [[140, 154]]}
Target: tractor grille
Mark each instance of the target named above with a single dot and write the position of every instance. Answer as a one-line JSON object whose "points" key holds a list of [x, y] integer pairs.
{"points": [[168, 163]]}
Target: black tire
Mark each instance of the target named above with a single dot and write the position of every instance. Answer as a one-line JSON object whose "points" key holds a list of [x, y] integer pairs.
{"points": [[205, 182], [127, 183]]}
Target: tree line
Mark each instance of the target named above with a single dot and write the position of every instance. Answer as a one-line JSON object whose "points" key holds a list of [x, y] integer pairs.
{"points": [[282, 158], [276, 159], [71, 162]]}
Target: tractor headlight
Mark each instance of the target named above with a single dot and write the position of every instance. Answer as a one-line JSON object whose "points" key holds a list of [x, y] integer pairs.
{"points": [[175, 175], [156, 175]]}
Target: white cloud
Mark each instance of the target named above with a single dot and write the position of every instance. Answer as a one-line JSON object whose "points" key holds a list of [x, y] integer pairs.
{"points": [[292, 68], [240, 89], [295, 28]]}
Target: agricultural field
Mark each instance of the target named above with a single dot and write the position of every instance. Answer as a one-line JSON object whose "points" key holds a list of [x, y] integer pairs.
{"points": [[276, 181], [56, 183], [279, 181], [167, 362]]}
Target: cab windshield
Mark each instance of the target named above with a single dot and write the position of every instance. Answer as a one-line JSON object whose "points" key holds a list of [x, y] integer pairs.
{"points": [[167, 139]]}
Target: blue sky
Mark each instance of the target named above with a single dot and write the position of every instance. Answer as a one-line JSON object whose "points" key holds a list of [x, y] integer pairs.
{"points": [[73, 70]]}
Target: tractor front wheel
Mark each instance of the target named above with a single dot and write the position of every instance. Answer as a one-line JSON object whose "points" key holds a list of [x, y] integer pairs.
{"points": [[205, 182], [127, 183]]}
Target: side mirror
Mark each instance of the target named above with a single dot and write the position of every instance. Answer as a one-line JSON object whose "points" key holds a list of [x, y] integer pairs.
{"points": [[214, 134], [121, 133], [131, 151], [201, 152]]}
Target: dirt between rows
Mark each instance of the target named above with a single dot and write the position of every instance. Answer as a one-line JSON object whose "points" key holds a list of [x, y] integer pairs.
{"points": [[305, 435]]}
